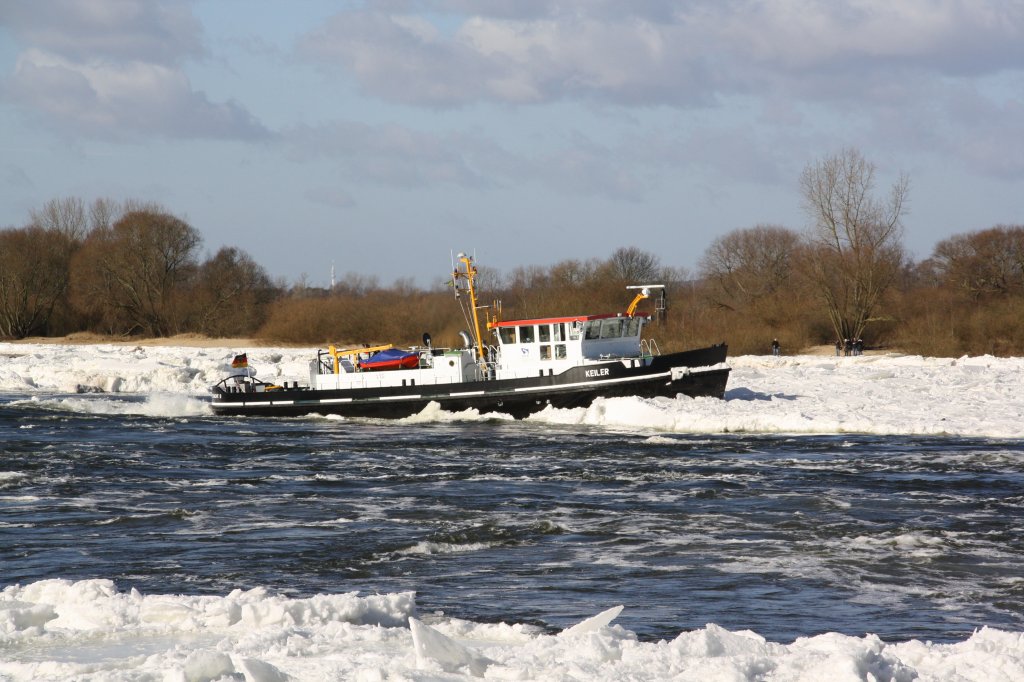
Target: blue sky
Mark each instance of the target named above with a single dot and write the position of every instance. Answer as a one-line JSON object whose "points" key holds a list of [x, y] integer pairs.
{"points": [[380, 136]]}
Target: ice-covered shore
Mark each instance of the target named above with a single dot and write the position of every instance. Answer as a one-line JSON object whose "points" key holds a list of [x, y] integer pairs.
{"points": [[880, 394], [88, 630]]}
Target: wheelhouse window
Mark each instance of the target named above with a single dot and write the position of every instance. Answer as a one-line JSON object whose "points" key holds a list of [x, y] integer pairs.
{"points": [[593, 330], [560, 331], [544, 333], [611, 329], [526, 334], [545, 352], [507, 334], [634, 326], [575, 329], [560, 351]]}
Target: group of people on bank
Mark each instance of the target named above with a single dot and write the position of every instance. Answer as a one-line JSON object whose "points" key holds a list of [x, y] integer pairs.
{"points": [[843, 347], [849, 347]]}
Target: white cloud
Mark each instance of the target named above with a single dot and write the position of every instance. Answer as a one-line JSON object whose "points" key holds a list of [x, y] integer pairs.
{"points": [[117, 99], [113, 69], [110, 29], [661, 53], [842, 72], [631, 62], [935, 36], [398, 58]]}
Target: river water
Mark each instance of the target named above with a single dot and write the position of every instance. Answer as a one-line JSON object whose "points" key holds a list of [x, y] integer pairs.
{"points": [[490, 520]]}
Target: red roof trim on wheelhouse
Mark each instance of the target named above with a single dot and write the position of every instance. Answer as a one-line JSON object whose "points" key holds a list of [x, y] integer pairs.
{"points": [[555, 320]]}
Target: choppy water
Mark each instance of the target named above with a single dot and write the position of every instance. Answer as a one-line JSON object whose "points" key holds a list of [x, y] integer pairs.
{"points": [[524, 522]]}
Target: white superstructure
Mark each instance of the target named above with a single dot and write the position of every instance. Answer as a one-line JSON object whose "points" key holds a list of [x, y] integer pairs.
{"points": [[553, 345]]}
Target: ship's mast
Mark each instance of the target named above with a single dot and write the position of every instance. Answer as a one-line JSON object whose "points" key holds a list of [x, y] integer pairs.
{"points": [[463, 278]]}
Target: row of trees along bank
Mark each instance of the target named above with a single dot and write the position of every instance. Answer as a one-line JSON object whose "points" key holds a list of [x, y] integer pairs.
{"points": [[135, 269], [122, 269]]}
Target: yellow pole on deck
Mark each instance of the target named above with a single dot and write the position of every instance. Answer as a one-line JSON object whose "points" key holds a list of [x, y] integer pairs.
{"points": [[469, 275]]}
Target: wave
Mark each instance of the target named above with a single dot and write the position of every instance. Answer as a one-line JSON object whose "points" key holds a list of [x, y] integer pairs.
{"points": [[169, 405]]}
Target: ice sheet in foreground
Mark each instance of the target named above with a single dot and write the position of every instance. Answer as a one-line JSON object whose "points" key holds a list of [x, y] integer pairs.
{"points": [[875, 394], [89, 630]]}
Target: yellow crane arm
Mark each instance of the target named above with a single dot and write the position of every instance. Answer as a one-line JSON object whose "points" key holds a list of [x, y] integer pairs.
{"points": [[641, 295], [338, 354]]}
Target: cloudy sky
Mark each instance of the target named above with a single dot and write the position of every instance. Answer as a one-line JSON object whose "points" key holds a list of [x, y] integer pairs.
{"points": [[383, 135]]}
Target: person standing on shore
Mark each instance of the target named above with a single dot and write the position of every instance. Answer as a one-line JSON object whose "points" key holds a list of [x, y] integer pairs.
{"points": [[775, 346]]}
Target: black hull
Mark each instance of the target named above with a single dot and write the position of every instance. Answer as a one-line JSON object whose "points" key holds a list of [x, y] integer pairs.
{"points": [[666, 375]]}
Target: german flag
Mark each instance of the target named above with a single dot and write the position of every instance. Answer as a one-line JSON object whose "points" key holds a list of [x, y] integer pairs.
{"points": [[240, 361]]}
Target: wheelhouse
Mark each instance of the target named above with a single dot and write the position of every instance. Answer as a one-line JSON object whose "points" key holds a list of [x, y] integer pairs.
{"points": [[551, 345]]}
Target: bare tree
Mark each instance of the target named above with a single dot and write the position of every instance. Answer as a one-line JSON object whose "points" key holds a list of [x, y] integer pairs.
{"points": [[230, 294], [527, 290], [572, 274], [746, 266], [33, 278], [134, 273], [356, 284], [65, 216], [633, 266], [856, 247], [103, 213], [985, 262]]}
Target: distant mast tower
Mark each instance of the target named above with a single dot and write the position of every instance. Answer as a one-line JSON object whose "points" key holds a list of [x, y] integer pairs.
{"points": [[332, 275]]}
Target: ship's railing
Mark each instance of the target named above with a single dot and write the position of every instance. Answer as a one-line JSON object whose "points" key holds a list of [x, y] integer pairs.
{"points": [[246, 383], [379, 380], [649, 347], [323, 366], [490, 367]]}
